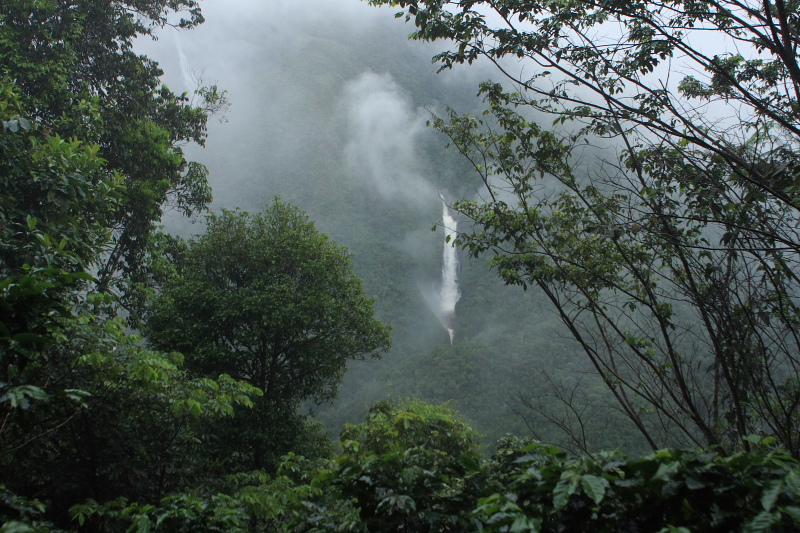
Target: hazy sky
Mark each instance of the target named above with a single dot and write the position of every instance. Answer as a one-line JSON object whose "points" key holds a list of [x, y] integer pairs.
{"points": [[328, 84]]}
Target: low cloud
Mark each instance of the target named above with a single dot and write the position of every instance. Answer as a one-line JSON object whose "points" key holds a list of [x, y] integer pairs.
{"points": [[385, 140]]}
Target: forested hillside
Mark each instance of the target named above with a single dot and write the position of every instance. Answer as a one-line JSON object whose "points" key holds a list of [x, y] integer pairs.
{"points": [[335, 122], [222, 307]]}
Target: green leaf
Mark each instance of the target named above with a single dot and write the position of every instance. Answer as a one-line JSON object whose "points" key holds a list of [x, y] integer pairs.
{"points": [[770, 495], [19, 397], [15, 527], [792, 481], [793, 512], [666, 471], [524, 523], [594, 487], [761, 523], [565, 488]]}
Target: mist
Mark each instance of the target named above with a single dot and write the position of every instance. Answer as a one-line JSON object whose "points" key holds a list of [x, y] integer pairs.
{"points": [[385, 133], [329, 104]]}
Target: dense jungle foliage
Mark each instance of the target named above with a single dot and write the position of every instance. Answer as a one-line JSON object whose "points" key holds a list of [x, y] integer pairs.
{"points": [[158, 383]]}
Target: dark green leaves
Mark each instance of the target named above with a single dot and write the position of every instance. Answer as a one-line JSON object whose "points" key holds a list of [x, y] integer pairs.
{"points": [[268, 299], [74, 67], [668, 491]]}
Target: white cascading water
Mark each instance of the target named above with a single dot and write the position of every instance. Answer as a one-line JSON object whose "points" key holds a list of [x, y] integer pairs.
{"points": [[450, 292], [185, 71]]}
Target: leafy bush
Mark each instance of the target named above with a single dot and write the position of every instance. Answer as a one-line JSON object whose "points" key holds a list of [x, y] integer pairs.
{"points": [[668, 491], [415, 467], [410, 467]]}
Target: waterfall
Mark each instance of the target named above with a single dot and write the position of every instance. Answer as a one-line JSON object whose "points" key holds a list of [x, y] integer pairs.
{"points": [[450, 292], [185, 71]]}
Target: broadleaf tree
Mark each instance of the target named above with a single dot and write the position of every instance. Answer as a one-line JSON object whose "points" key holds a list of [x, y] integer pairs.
{"points": [[640, 162], [60, 54], [47, 249], [270, 300], [83, 403]]}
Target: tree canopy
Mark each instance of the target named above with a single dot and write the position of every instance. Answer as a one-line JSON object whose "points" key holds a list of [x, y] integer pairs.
{"points": [[76, 388], [658, 212], [70, 59], [269, 300]]}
